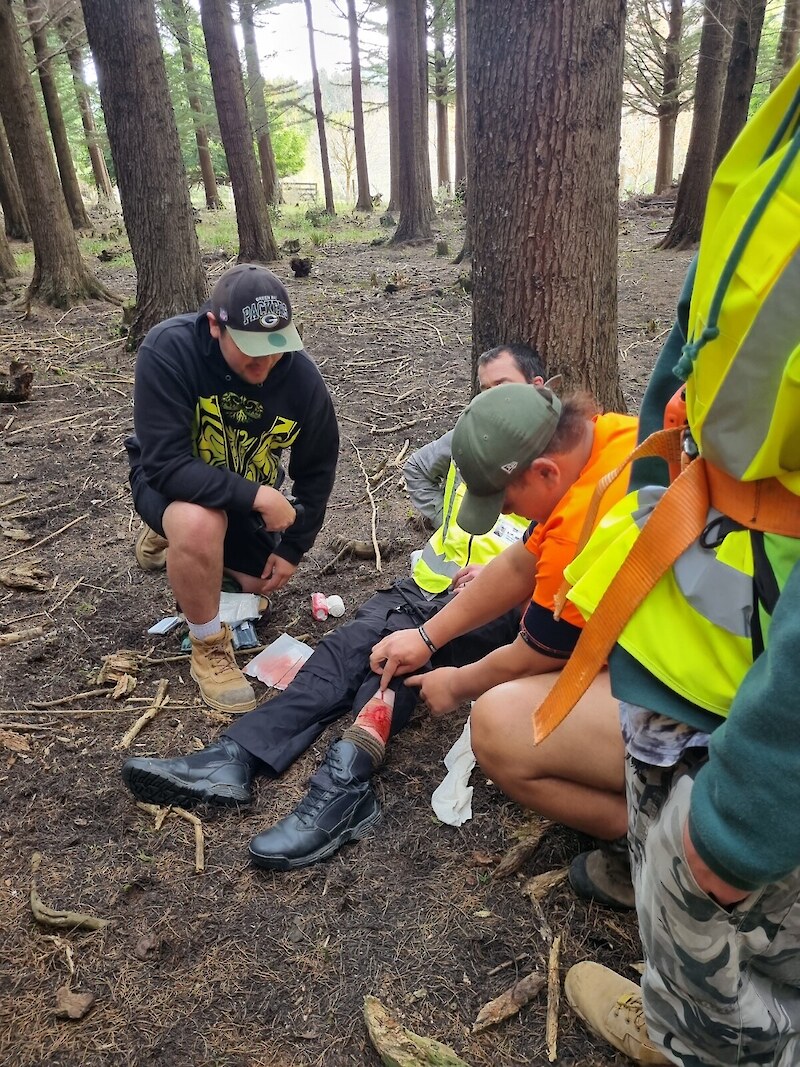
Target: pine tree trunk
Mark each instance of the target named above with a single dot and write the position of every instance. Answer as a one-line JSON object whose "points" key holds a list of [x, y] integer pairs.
{"points": [[394, 107], [330, 207], [415, 198], [741, 76], [36, 12], [545, 84], [180, 28], [258, 106], [8, 268], [364, 200], [670, 104], [461, 96], [424, 162], [60, 276], [684, 231], [256, 241], [440, 92], [17, 227], [102, 179], [787, 42], [147, 157]]}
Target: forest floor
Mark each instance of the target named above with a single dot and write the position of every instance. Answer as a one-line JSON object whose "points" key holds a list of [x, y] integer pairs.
{"points": [[234, 966]]}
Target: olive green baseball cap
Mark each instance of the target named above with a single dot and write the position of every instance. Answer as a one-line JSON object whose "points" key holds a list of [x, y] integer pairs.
{"points": [[498, 435]]}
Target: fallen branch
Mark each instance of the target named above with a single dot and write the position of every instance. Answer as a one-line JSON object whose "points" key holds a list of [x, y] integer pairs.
{"points": [[399, 1047], [374, 522], [161, 814], [521, 852], [67, 595], [73, 920], [44, 540], [553, 999], [509, 1002], [148, 716], [41, 704], [540, 885], [17, 636]]}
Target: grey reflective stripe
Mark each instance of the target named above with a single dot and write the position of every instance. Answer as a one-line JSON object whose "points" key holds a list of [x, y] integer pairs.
{"points": [[646, 500], [452, 483], [730, 440], [721, 594], [438, 563]]}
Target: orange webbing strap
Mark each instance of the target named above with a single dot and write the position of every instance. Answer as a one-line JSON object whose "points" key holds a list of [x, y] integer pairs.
{"points": [[663, 443], [677, 520], [761, 505]]}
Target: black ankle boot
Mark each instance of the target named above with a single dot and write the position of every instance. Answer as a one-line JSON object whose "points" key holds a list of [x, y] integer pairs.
{"points": [[221, 773], [340, 806]]}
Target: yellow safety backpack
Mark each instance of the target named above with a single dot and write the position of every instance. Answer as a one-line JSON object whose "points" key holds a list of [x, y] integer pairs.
{"points": [[741, 364]]}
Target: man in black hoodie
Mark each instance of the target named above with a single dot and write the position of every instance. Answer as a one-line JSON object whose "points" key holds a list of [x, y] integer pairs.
{"points": [[218, 396]]}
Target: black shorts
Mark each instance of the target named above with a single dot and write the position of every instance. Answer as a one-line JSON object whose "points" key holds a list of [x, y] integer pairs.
{"points": [[247, 543]]}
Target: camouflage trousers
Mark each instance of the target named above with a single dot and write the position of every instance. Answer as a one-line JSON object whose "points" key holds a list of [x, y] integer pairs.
{"points": [[721, 985]]}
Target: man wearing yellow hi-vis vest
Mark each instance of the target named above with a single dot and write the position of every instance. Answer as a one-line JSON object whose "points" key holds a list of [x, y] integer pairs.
{"points": [[699, 586]]}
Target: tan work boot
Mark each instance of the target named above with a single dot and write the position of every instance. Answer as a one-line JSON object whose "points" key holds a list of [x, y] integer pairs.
{"points": [[222, 684], [151, 550], [604, 875], [611, 1007]]}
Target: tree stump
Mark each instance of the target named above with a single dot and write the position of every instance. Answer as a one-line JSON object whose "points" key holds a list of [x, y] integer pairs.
{"points": [[15, 382]]}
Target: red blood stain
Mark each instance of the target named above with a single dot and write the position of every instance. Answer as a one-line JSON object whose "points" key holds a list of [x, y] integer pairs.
{"points": [[278, 670], [376, 716]]}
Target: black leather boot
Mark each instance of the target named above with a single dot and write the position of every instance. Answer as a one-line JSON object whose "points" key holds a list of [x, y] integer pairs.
{"points": [[221, 773], [340, 806]]}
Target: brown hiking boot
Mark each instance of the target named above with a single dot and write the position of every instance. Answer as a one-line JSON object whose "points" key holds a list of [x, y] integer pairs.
{"points": [[222, 684], [604, 875], [611, 1007], [151, 550]]}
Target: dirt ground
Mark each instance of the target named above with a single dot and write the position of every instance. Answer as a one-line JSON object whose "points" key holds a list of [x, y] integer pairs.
{"points": [[236, 967]]}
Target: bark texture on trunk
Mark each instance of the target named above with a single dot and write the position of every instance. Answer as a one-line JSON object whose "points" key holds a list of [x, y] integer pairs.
{"points": [[37, 15], [414, 192], [60, 276], [180, 27], [15, 216], [152, 182], [461, 95], [747, 25], [258, 105], [364, 199], [256, 241], [786, 53], [544, 105], [670, 106], [394, 115], [684, 230], [440, 92], [330, 207]]}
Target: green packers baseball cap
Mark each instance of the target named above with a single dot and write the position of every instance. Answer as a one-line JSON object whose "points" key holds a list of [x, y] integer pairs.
{"points": [[499, 434]]}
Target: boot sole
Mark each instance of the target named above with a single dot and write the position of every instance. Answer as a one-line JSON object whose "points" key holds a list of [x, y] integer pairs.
{"points": [[282, 863], [164, 791], [217, 705]]}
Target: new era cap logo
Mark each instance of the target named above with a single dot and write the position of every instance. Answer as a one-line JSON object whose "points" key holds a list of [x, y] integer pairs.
{"points": [[509, 468]]}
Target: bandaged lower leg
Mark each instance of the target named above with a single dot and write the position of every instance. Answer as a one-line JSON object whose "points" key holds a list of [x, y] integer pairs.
{"points": [[370, 731]]}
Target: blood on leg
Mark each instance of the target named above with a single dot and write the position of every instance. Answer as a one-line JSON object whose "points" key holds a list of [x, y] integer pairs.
{"points": [[376, 715]]}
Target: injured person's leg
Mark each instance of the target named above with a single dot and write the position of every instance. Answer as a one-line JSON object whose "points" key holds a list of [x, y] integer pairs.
{"points": [[340, 805]]}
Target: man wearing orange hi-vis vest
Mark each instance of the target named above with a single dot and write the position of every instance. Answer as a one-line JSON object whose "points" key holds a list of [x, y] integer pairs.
{"points": [[693, 588]]}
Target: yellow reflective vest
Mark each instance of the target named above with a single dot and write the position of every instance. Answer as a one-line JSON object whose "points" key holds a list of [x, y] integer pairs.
{"points": [[707, 618], [451, 548]]}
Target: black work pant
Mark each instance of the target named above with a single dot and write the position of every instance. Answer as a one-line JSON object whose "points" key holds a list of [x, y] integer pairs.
{"points": [[337, 676]]}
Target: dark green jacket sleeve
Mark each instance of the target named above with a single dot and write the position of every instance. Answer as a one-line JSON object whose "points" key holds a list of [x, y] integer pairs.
{"points": [[745, 814]]}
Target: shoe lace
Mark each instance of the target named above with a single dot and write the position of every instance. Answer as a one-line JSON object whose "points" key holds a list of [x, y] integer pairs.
{"points": [[631, 1005], [220, 658], [312, 803]]}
